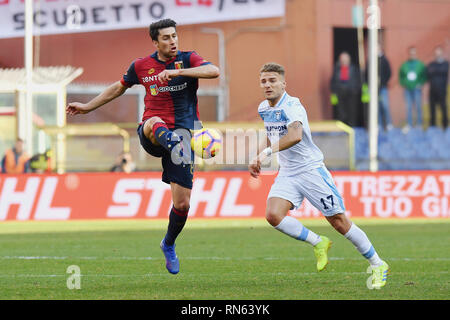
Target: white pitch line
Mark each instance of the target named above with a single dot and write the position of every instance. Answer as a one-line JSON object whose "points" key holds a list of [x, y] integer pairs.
{"points": [[206, 258], [163, 274], [65, 275], [149, 275]]}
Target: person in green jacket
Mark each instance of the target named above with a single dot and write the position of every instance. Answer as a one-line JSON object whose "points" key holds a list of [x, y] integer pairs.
{"points": [[412, 77]]}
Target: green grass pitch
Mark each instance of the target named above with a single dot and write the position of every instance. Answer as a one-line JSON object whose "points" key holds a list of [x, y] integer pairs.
{"points": [[220, 259]]}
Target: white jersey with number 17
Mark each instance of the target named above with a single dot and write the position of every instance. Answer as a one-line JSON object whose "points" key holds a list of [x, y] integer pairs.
{"points": [[302, 156]]}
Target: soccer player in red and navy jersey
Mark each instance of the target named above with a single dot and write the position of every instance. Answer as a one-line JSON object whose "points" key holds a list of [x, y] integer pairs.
{"points": [[170, 78]]}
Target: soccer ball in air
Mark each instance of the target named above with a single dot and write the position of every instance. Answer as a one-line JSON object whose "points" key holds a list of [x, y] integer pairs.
{"points": [[206, 143]]}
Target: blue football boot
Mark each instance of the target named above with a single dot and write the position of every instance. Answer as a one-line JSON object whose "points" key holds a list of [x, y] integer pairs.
{"points": [[172, 263]]}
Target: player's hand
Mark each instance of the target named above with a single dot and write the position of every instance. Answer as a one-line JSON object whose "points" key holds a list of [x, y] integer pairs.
{"points": [[255, 168], [168, 75], [77, 108]]}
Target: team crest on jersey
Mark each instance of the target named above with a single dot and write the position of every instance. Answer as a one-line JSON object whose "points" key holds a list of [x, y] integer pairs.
{"points": [[154, 90], [151, 71], [278, 115], [179, 65]]}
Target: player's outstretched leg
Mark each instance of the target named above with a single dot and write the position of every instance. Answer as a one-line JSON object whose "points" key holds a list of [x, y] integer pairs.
{"points": [[358, 237], [276, 215], [177, 220]]}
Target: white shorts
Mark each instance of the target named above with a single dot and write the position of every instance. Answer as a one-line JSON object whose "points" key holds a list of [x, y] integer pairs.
{"points": [[316, 185]]}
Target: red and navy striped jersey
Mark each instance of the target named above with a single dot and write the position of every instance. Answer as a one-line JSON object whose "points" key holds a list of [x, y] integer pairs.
{"points": [[175, 101]]}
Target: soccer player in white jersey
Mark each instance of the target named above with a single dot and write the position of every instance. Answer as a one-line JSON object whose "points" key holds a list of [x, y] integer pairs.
{"points": [[302, 174]]}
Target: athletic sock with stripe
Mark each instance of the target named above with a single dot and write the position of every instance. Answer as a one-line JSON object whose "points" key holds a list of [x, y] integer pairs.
{"points": [[295, 229], [167, 138], [363, 245]]}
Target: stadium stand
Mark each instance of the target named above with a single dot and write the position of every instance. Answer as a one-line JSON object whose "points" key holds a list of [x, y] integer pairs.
{"points": [[415, 150]]}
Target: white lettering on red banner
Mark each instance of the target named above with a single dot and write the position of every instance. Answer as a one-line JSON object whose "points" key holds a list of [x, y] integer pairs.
{"points": [[27, 196], [69, 16], [228, 194]]}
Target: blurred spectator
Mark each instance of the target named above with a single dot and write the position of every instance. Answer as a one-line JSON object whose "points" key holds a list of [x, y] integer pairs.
{"points": [[384, 113], [16, 159], [41, 162], [384, 75], [412, 76], [124, 163], [437, 72], [345, 91]]}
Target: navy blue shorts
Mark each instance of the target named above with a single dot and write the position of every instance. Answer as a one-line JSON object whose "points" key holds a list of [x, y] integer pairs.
{"points": [[181, 174]]}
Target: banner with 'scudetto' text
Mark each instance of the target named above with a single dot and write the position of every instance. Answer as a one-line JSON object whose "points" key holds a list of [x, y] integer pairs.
{"points": [[219, 194], [72, 16]]}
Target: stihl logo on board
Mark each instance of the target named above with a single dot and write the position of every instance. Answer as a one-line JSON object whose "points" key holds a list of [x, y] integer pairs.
{"points": [[36, 196], [220, 199]]}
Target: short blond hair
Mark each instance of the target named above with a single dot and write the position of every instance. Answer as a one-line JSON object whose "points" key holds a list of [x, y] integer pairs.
{"points": [[272, 67]]}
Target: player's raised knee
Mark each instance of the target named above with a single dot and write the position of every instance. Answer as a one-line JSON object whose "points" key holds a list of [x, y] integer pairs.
{"points": [[154, 120], [148, 128], [151, 122]]}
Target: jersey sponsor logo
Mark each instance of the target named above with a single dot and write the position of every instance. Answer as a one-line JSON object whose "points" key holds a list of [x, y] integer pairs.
{"points": [[179, 65], [276, 128], [173, 88], [151, 71], [155, 90], [149, 79]]}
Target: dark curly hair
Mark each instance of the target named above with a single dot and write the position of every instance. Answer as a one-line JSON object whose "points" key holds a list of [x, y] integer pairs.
{"points": [[154, 28]]}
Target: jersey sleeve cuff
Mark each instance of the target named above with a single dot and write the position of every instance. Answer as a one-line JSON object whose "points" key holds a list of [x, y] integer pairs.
{"points": [[125, 84], [292, 121]]}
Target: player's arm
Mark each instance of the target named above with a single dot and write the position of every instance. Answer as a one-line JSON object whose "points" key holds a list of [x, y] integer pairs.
{"points": [[207, 71], [255, 165], [113, 91], [293, 136]]}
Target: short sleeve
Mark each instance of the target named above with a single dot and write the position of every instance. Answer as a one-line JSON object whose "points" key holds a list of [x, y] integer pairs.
{"points": [[130, 78], [295, 112], [196, 61]]}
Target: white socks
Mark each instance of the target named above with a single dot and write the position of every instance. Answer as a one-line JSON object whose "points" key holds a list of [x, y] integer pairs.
{"points": [[363, 245], [295, 229]]}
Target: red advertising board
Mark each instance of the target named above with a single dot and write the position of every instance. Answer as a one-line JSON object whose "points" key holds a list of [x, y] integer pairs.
{"points": [[220, 194]]}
